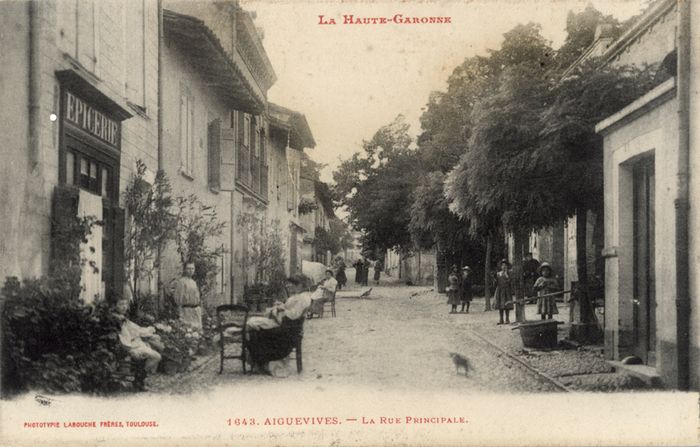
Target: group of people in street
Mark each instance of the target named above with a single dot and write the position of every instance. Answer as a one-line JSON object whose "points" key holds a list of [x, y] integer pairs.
{"points": [[536, 279], [459, 290], [362, 268]]}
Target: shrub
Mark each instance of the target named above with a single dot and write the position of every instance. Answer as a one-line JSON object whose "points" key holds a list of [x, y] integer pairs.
{"points": [[180, 341], [53, 342]]}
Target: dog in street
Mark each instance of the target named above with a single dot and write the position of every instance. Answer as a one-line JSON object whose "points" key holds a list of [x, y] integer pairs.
{"points": [[460, 362]]}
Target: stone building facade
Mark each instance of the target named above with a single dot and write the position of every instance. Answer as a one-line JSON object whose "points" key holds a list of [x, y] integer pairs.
{"points": [[179, 85], [74, 118]]}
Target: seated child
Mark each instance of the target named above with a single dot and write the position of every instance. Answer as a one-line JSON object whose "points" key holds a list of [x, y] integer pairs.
{"points": [[142, 343]]}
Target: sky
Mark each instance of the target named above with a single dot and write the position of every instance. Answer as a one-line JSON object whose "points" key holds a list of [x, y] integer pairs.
{"points": [[349, 79]]}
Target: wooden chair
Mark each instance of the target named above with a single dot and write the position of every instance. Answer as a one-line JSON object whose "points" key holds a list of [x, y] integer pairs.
{"points": [[296, 332], [331, 300], [232, 320]]}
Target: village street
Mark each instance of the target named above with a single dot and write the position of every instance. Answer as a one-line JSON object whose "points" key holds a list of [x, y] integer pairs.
{"points": [[399, 338]]}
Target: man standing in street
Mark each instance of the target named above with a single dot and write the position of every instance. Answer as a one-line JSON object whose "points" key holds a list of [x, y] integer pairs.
{"points": [[531, 267], [187, 299]]}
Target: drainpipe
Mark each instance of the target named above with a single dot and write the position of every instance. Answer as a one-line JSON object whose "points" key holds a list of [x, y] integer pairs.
{"points": [[682, 203], [34, 84], [160, 84], [159, 118]]}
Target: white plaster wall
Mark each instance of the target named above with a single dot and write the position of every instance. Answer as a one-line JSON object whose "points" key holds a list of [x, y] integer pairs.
{"points": [[653, 133], [694, 224], [178, 70]]}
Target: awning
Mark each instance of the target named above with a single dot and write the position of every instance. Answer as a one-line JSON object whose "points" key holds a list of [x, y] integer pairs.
{"points": [[205, 52], [294, 122]]}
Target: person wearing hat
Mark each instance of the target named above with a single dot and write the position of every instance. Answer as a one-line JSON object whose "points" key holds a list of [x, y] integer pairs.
{"points": [[466, 288], [503, 297], [454, 281], [545, 284]]}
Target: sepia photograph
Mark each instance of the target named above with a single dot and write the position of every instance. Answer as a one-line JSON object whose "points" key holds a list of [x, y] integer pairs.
{"points": [[350, 223]]}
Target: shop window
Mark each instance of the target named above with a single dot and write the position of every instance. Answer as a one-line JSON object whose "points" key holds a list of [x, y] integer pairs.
{"points": [[88, 173]]}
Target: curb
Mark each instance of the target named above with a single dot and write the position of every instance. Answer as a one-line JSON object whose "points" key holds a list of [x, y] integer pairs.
{"points": [[550, 379]]}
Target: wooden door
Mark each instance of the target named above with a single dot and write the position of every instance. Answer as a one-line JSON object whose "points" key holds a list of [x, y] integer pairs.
{"points": [[644, 272]]}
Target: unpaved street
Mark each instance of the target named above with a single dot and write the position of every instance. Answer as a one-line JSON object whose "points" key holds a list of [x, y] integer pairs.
{"points": [[399, 338]]}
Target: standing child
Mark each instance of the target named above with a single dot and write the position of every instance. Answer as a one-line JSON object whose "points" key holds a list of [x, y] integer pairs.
{"points": [[454, 281], [544, 285], [503, 297], [466, 288]]}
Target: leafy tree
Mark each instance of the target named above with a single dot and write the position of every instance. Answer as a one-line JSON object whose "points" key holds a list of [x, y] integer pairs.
{"points": [[580, 33], [151, 225], [375, 186], [265, 250], [336, 239], [196, 224], [573, 151]]}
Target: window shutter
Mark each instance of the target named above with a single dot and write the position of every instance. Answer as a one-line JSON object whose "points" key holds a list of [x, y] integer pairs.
{"points": [[227, 149], [214, 155], [118, 264], [65, 209]]}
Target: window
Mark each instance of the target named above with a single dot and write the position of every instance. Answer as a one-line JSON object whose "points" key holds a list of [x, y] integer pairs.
{"points": [[214, 154], [88, 173], [246, 130], [186, 132], [79, 31], [258, 134], [134, 42]]}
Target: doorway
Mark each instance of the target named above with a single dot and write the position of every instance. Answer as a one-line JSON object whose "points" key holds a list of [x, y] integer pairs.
{"points": [[643, 254]]}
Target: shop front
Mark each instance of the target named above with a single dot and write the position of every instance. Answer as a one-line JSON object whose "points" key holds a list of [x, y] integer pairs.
{"points": [[89, 175]]}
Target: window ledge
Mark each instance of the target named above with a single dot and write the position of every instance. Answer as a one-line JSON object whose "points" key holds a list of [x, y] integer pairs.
{"points": [[140, 110], [186, 174]]}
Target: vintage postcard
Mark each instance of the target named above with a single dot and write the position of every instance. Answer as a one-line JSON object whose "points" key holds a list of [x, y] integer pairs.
{"points": [[366, 223]]}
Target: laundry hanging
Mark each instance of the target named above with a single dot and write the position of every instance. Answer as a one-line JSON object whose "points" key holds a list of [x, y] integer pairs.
{"points": [[91, 251]]}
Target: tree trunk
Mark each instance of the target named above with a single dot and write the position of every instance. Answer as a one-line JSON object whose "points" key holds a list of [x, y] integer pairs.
{"points": [[586, 310], [441, 264], [419, 277], [487, 273], [519, 241]]}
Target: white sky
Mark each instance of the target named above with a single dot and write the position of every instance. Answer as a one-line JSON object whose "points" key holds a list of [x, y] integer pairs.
{"points": [[349, 80]]}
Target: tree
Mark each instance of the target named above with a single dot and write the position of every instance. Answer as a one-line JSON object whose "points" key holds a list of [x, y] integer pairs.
{"points": [[484, 222], [580, 33], [375, 186], [151, 225], [569, 145], [265, 250], [196, 225]]}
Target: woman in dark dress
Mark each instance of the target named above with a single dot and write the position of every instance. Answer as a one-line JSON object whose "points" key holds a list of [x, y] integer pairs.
{"points": [[340, 275], [378, 270], [466, 288], [503, 297], [358, 271], [365, 271]]}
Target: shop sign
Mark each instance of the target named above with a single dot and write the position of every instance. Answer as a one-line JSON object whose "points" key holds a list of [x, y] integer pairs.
{"points": [[88, 118]]}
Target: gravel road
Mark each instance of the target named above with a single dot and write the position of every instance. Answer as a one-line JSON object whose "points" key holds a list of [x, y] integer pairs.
{"points": [[400, 338]]}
